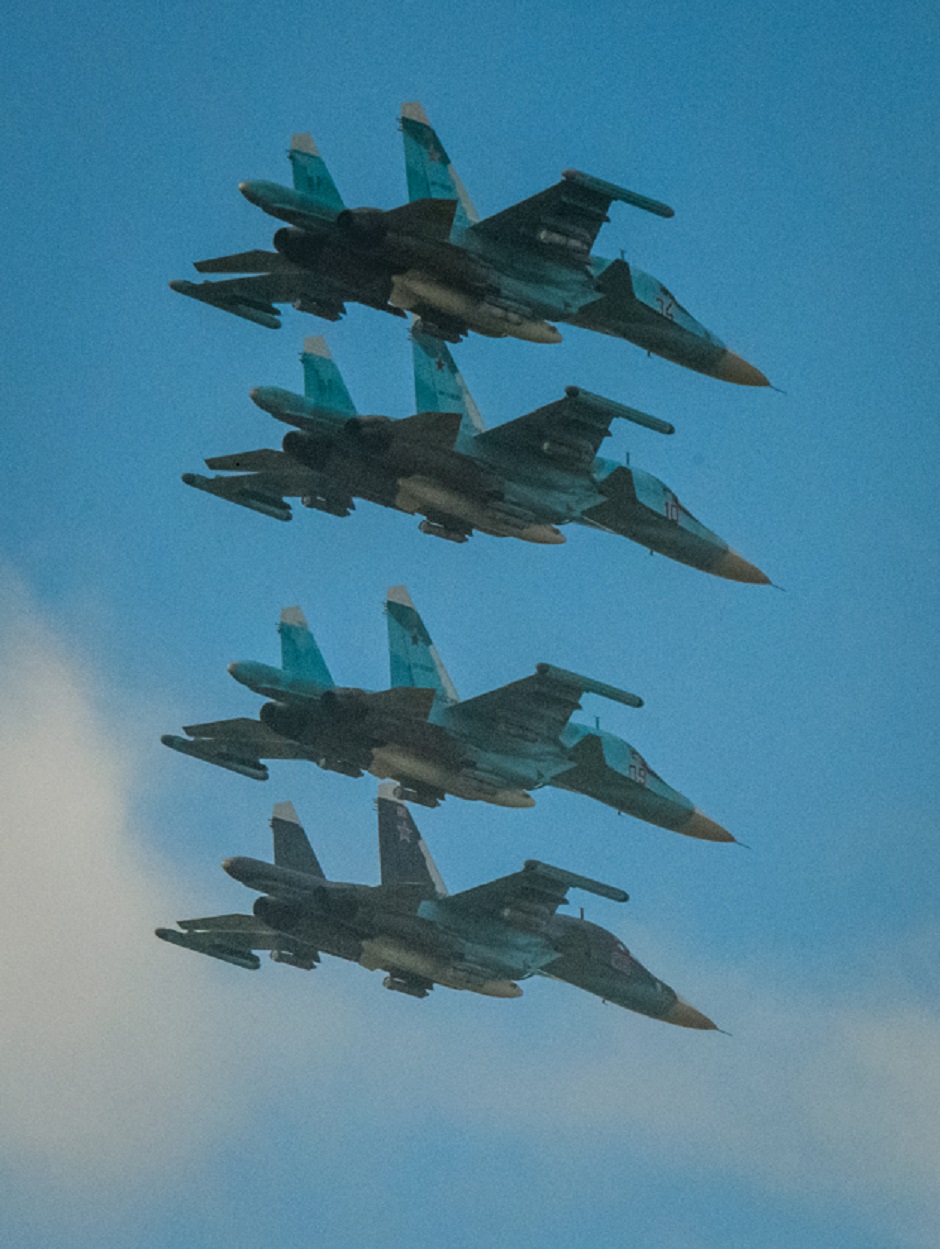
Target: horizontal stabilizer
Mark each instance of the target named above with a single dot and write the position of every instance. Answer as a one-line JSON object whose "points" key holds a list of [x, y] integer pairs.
{"points": [[427, 218], [211, 751], [437, 429], [261, 313], [572, 880], [256, 261], [263, 461], [236, 491], [587, 685], [402, 701], [207, 943]]}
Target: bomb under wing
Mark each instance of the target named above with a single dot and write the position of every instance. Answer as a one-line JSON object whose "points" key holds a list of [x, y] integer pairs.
{"points": [[482, 940]]}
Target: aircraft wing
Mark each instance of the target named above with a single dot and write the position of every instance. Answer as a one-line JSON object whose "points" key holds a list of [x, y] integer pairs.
{"points": [[564, 220], [234, 938], [537, 708], [565, 434], [538, 890]]}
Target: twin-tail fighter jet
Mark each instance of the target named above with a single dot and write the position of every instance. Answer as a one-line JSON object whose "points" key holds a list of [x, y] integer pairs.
{"points": [[508, 275], [482, 939], [522, 479], [493, 748]]}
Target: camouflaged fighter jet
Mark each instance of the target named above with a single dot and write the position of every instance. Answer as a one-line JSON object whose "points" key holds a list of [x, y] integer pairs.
{"points": [[520, 480], [482, 939], [493, 748], [509, 275]]}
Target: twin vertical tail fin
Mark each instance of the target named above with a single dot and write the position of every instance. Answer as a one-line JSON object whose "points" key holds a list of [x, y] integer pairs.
{"points": [[404, 858], [413, 657], [300, 655], [323, 382], [427, 166], [311, 176], [292, 847], [439, 386]]}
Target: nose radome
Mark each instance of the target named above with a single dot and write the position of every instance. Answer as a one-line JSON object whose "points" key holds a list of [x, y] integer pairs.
{"points": [[687, 1016], [732, 368], [699, 825], [735, 568]]}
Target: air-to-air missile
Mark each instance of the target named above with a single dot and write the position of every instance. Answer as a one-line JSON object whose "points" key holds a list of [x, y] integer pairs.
{"points": [[509, 275], [482, 940], [494, 748]]}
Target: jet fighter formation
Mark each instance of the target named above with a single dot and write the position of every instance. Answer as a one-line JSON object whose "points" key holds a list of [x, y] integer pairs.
{"points": [[509, 275], [494, 748], [513, 274], [482, 939], [521, 479]]}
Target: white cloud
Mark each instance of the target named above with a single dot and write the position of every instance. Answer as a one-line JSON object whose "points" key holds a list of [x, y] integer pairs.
{"points": [[121, 1057], [117, 1054]]}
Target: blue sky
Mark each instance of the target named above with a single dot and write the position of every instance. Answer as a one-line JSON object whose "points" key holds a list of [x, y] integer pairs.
{"points": [[152, 1098]]}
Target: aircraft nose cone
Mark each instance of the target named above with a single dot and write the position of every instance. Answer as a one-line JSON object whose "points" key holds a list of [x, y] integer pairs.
{"points": [[731, 368], [699, 825], [735, 568], [687, 1016]]}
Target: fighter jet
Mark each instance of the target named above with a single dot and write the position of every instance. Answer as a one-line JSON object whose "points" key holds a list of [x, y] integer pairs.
{"points": [[522, 479], [509, 275], [482, 939], [493, 748]]}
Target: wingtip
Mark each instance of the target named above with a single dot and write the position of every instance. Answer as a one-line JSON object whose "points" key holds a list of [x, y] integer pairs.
{"points": [[388, 790], [285, 811]]}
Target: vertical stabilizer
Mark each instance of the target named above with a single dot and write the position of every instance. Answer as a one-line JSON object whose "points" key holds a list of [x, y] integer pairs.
{"points": [[404, 858], [311, 176], [292, 847], [413, 657], [323, 382], [439, 386], [427, 166], [300, 655]]}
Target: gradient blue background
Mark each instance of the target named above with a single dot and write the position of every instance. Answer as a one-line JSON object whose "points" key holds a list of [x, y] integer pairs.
{"points": [[799, 147]]}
